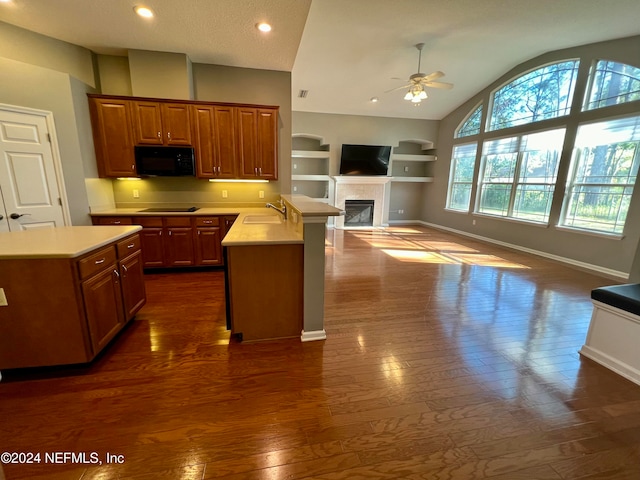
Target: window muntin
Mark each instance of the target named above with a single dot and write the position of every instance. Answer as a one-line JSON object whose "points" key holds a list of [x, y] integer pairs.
{"points": [[519, 175], [604, 171], [463, 162], [612, 83], [471, 125], [542, 94]]}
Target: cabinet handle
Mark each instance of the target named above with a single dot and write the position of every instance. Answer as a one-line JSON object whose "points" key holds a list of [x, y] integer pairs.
{"points": [[160, 233], [124, 267], [255, 170], [159, 135], [98, 262], [169, 135], [207, 221], [117, 222], [169, 232], [260, 170], [131, 245], [198, 232], [117, 274]]}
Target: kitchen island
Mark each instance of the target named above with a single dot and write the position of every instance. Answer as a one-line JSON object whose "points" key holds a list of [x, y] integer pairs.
{"points": [[276, 271], [66, 292]]}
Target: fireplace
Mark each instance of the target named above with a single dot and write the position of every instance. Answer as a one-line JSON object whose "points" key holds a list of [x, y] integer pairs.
{"points": [[358, 213], [372, 189]]}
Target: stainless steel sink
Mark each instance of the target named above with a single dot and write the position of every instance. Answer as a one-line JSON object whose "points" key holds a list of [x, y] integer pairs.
{"points": [[258, 219]]}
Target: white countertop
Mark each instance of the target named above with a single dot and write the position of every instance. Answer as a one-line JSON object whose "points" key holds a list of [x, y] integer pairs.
{"points": [[285, 232], [60, 242]]}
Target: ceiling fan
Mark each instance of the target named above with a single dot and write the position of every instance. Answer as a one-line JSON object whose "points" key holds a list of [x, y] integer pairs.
{"points": [[418, 81]]}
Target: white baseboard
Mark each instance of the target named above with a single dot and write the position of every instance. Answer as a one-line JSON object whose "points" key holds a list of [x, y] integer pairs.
{"points": [[613, 364], [313, 335], [607, 272]]}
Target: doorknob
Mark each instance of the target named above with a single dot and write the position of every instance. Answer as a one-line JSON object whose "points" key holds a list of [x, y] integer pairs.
{"points": [[16, 216], [1, 217]]}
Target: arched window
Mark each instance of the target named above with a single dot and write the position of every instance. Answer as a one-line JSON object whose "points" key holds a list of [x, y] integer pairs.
{"points": [[541, 94], [471, 124], [611, 83]]}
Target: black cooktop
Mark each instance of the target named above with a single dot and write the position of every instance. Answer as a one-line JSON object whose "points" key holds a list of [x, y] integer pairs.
{"points": [[169, 209]]}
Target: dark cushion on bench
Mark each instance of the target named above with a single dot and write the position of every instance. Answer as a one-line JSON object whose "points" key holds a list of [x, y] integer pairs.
{"points": [[625, 297]]}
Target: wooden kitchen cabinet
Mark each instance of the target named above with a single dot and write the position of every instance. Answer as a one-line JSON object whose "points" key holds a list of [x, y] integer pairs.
{"points": [[66, 310], [257, 130], [112, 137], [214, 141], [161, 123], [207, 241], [176, 241]]}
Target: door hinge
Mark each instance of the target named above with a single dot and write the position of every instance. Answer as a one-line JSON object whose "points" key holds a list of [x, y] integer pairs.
{"points": [[59, 201], [49, 137]]}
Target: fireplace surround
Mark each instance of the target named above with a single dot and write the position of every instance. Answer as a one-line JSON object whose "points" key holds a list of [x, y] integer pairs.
{"points": [[357, 187]]}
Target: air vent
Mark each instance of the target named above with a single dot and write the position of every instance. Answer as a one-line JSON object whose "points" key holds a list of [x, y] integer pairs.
{"points": [[303, 93]]}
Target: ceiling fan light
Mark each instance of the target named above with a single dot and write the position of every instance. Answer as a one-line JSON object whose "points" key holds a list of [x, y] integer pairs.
{"points": [[416, 99], [422, 95], [408, 96]]}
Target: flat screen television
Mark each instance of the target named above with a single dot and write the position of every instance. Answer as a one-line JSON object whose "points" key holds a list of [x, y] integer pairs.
{"points": [[364, 159]]}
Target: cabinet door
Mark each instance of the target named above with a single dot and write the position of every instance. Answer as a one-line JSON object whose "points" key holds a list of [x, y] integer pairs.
{"points": [[132, 279], [112, 137], [228, 222], [152, 247], [177, 124], [204, 141], [208, 249], [103, 306], [147, 123], [267, 162], [225, 141], [179, 246], [247, 142]]}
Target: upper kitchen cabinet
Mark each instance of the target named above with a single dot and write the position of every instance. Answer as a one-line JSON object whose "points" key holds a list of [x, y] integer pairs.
{"points": [[214, 140], [258, 142], [112, 137], [161, 123]]}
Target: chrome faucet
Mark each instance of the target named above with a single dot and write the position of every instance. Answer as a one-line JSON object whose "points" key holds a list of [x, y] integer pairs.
{"points": [[282, 209]]}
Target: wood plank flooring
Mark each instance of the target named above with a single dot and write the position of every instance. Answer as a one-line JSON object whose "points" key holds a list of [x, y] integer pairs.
{"points": [[446, 358]]}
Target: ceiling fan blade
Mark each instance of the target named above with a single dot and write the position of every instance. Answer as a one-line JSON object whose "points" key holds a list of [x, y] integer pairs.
{"points": [[444, 85], [398, 88], [433, 76]]}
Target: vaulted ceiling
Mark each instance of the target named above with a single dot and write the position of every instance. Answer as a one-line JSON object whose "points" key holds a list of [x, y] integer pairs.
{"points": [[342, 52]]}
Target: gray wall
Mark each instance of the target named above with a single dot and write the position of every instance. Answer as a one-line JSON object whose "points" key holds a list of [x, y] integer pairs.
{"points": [[355, 129], [610, 254]]}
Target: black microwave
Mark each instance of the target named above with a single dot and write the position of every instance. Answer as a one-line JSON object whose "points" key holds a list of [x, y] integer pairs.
{"points": [[165, 161]]}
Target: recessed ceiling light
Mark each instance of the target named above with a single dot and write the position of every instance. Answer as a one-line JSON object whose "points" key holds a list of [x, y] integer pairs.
{"points": [[263, 27], [374, 99], [143, 11]]}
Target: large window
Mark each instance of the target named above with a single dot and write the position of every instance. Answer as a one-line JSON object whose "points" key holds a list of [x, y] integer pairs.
{"points": [[519, 175], [612, 83], [603, 174], [461, 176], [538, 95], [471, 125]]}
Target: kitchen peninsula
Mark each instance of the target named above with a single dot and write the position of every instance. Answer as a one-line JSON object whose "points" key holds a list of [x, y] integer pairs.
{"points": [[65, 292], [290, 250]]}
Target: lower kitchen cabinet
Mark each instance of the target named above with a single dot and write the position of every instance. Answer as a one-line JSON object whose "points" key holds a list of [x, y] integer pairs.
{"points": [[177, 241], [66, 310]]}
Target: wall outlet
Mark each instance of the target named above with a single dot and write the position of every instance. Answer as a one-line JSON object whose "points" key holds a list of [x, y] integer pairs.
{"points": [[261, 194], [295, 166], [225, 194], [406, 169], [401, 212], [295, 189], [136, 193], [3, 299], [473, 222]]}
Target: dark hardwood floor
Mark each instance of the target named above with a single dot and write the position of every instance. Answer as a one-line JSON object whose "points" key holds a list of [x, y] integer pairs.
{"points": [[446, 358]]}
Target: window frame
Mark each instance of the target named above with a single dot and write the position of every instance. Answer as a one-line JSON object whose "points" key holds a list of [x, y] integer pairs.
{"points": [[452, 175]]}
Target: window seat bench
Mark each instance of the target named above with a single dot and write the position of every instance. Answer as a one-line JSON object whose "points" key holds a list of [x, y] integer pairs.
{"points": [[613, 339]]}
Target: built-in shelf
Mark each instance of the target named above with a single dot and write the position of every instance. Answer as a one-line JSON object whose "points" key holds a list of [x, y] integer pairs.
{"points": [[310, 178], [309, 154], [405, 157], [412, 179]]}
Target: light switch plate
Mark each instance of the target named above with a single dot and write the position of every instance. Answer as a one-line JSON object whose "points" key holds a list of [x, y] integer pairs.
{"points": [[3, 299]]}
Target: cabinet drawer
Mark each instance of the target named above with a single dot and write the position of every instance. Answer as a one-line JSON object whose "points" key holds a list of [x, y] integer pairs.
{"points": [[148, 221], [97, 261], [207, 222], [177, 221], [127, 246], [112, 221]]}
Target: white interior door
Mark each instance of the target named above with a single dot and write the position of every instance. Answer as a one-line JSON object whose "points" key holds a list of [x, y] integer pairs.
{"points": [[28, 184]]}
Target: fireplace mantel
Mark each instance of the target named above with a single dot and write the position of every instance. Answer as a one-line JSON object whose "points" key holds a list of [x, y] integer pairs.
{"points": [[361, 187]]}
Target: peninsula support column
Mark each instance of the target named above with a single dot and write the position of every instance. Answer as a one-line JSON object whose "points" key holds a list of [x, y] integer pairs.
{"points": [[314, 240]]}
